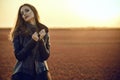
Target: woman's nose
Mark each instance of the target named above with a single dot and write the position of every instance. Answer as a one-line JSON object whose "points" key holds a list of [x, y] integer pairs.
{"points": [[24, 14]]}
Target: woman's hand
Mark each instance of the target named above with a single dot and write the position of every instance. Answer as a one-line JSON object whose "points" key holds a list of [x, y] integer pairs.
{"points": [[42, 33], [35, 36]]}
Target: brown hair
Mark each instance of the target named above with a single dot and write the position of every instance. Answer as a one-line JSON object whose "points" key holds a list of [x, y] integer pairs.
{"points": [[20, 23]]}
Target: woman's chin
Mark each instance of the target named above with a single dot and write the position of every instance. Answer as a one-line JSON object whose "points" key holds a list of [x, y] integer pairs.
{"points": [[27, 20]]}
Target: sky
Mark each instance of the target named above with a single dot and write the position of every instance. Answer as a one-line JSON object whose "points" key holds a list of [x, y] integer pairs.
{"points": [[66, 13]]}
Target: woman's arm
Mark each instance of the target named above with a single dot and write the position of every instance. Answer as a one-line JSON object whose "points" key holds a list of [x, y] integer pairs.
{"points": [[22, 52], [44, 47]]}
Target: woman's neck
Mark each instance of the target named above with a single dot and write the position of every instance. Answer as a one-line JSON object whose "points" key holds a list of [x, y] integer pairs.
{"points": [[33, 22]]}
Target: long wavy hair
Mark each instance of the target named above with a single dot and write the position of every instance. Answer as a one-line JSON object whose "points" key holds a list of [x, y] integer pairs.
{"points": [[20, 27]]}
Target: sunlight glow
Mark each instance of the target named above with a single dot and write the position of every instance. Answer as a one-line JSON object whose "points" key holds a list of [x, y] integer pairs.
{"points": [[98, 12], [66, 13]]}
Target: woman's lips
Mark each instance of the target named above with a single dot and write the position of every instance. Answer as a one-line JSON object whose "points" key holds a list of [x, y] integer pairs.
{"points": [[26, 17]]}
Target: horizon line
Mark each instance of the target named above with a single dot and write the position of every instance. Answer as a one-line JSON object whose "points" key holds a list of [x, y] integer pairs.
{"points": [[75, 28]]}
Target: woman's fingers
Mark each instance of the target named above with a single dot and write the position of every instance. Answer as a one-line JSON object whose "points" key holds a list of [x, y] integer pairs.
{"points": [[42, 33], [35, 36]]}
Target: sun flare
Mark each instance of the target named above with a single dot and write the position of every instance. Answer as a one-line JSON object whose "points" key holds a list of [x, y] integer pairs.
{"points": [[94, 11]]}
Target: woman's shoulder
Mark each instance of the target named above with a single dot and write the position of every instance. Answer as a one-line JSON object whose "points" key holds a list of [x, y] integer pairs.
{"points": [[42, 26]]}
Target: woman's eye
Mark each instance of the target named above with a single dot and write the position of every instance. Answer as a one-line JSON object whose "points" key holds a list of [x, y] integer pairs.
{"points": [[26, 10]]}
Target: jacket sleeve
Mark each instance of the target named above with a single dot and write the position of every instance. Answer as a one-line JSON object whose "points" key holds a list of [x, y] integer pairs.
{"points": [[22, 52], [44, 47]]}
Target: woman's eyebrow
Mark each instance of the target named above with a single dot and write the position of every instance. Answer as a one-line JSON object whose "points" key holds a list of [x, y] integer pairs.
{"points": [[26, 9]]}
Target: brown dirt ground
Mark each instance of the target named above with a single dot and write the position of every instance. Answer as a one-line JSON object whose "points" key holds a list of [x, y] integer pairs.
{"points": [[76, 54]]}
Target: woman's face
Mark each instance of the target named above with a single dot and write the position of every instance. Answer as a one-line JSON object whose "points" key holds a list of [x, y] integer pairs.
{"points": [[27, 13]]}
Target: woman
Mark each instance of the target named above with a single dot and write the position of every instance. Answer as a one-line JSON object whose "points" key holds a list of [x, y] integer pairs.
{"points": [[31, 46]]}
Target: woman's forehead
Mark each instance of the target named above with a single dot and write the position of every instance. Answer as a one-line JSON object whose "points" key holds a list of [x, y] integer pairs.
{"points": [[24, 7]]}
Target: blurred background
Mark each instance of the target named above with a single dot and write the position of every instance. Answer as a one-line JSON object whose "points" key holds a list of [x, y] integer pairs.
{"points": [[84, 37]]}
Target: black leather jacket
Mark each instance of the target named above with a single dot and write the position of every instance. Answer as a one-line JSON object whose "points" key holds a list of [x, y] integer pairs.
{"points": [[31, 55]]}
